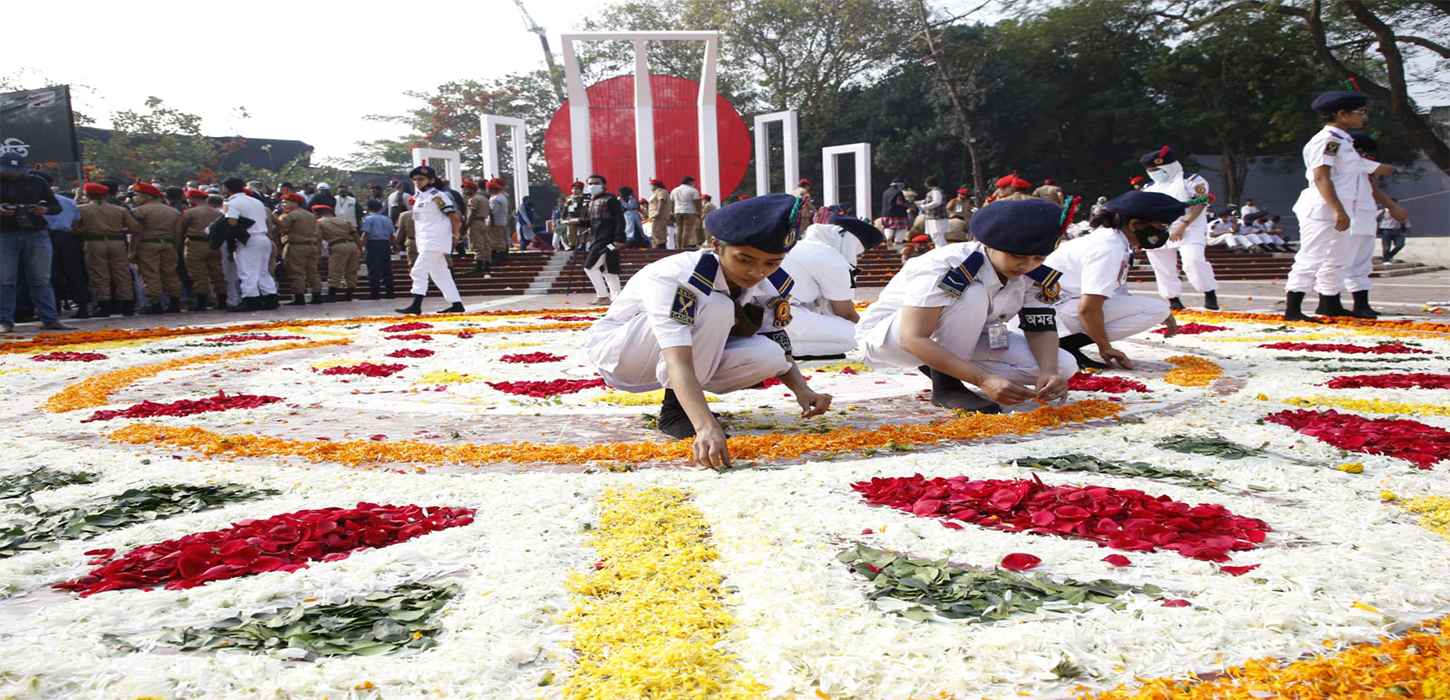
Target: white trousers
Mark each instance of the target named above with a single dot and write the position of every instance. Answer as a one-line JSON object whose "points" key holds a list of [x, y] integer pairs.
{"points": [[1350, 262], [1317, 238], [1124, 315], [254, 266], [937, 229], [629, 358], [894, 235], [1195, 266], [234, 282], [434, 264], [815, 333], [606, 284], [961, 330]]}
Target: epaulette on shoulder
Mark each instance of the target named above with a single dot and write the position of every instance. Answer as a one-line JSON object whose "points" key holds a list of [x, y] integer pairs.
{"points": [[703, 276], [782, 281], [1046, 278], [957, 279]]}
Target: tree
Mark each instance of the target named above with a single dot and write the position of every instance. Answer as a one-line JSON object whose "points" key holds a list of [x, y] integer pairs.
{"points": [[1341, 32], [156, 141], [959, 105]]}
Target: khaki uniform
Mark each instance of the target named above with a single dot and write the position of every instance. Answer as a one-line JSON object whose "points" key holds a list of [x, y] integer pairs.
{"points": [[203, 264], [498, 223], [576, 209], [659, 217], [342, 250], [959, 215], [156, 251], [808, 209], [705, 209], [1050, 193], [478, 228], [297, 231], [102, 231], [408, 236]]}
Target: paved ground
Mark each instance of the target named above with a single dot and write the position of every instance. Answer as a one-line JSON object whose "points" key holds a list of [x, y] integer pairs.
{"points": [[1405, 296]]}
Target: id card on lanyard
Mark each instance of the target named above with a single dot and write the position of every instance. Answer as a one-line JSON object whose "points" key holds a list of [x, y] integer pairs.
{"points": [[997, 334]]}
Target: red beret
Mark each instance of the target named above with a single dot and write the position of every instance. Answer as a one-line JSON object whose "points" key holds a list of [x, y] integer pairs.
{"points": [[318, 207], [1020, 184], [656, 182], [964, 192], [1049, 181], [922, 239], [577, 184], [146, 188], [1137, 180], [705, 197], [95, 188], [196, 193], [470, 183], [294, 197], [805, 182], [495, 184]]}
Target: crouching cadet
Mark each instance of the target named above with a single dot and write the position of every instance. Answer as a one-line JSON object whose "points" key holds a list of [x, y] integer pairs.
{"points": [[1094, 305], [709, 320], [951, 312], [823, 266]]}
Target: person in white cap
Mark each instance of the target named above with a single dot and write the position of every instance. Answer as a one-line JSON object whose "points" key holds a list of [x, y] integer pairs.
{"points": [[823, 265]]}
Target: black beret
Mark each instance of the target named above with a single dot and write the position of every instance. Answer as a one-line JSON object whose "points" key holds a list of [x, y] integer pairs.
{"points": [[1137, 204], [1023, 227], [767, 222], [1364, 142], [1162, 156], [869, 235], [1335, 100]]}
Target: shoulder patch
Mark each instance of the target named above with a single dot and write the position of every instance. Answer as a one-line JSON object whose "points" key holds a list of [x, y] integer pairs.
{"points": [[1200, 189], [685, 305], [781, 306], [782, 281], [438, 201], [1047, 279], [703, 276], [957, 279], [1331, 148]]}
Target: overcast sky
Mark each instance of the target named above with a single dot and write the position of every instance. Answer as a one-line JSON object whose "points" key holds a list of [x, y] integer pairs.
{"points": [[309, 71]]}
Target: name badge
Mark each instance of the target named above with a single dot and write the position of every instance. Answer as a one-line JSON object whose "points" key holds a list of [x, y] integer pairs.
{"points": [[997, 334]]}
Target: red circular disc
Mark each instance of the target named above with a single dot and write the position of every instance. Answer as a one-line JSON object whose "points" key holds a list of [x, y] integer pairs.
{"points": [[677, 145]]}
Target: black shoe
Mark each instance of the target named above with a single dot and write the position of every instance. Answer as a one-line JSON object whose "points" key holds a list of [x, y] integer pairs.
{"points": [[457, 308], [128, 307], [174, 307], [949, 392], [375, 294], [269, 302], [1176, 304], [317, 298], [414, 308], [390, 294], [221, 304], [477, 267], [1293, 311], [1362, 308], [103, 309], [1074, 344], [152, 310], [674, 422], [198, 305], [298, 300], [807, 358], [1329, 305], [1210, 301], [248, 304], [83, 310], [348, 295]]}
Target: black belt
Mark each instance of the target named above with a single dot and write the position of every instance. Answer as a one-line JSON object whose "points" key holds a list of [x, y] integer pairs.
{"points": [[155, 240], [203, 239], [100, 237], [342, 241], [300, 243]]}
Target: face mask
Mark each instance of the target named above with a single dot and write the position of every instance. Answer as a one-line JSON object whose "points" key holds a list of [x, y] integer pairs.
{"points": [[1150, 238], [596, 189]]}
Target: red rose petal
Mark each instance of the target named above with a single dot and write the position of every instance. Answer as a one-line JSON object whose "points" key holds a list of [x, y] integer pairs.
{"points": [[1117, 560], [1018, 561], [1175, 603], [1238, 570]]}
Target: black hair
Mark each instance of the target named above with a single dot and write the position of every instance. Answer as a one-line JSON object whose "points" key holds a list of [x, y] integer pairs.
{"points": [[174, 193], [234, 184], [602, 178], [686, 180], [933, 182], [1110, 219], [626, 191], [373, 205]]}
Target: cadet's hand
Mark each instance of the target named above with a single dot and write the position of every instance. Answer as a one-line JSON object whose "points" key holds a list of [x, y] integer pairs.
{"points": [[1400, 213], [1178, 233], [1170, 326], [1003, 390], [813, 404], [1341, 220], [1113, 356], [710, 448], [1051, 387]]}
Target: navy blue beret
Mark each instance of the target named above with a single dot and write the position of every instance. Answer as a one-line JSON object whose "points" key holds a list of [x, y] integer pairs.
{"points": [[1255, 216], [1364, 142], [1022, 227], [423, 170], [1162, 156], [768, 222], [1148, 206], [1335, 100], [869, 235]]}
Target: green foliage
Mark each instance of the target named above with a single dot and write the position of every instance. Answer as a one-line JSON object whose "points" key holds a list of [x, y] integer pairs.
{"points": [[1207, 445], [31, 528], [404, 618], [935, 588], [1093, 465], [22, 485], [145, 143]]}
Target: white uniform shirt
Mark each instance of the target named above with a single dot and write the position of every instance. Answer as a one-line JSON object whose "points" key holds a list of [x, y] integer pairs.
{"points": [[431, 208], [919, 283], [1094, 264], [346, 208], [821, 276], [683, 198], [244, 206], [1334, 147], [654, 290], [1184, 188], [498, 210]]}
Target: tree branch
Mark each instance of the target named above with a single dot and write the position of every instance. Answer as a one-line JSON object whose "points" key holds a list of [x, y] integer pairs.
{"points": [[1441, 49]]}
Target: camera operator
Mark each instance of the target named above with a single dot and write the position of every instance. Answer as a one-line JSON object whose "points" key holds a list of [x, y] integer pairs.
{"points": [[25, 201]]}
